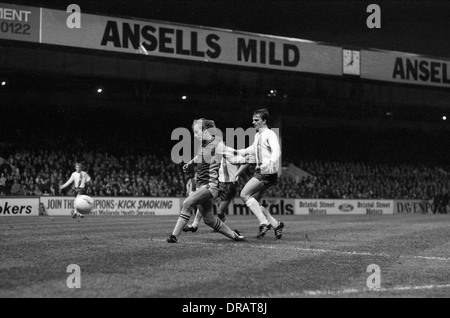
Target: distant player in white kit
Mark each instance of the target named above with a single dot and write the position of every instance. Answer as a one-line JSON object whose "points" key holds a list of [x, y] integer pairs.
{"points": [[267, 151], [80, 180]]}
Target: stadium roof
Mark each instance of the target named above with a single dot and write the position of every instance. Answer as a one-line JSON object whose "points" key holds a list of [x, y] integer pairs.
{"points": [[409, 26]]}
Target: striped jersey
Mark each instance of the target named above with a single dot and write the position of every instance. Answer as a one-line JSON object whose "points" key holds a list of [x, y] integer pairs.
{"points": [[209, 157], [79, 179], [265, 148], [227, 171]]}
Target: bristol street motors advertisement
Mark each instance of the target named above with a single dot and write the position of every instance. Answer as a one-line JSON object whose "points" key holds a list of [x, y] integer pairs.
{"points": [[317, 206]]}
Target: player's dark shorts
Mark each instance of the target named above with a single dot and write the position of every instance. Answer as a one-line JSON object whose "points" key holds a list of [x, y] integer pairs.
{"points": [[79, 191], [227, 191], [267, 179], [212, 187]]}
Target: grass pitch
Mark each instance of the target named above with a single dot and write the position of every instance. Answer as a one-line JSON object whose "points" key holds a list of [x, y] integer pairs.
{"points": [[318, 256]]}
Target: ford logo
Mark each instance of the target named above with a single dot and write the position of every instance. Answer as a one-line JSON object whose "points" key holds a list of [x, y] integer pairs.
{"points": [[346, 207]]}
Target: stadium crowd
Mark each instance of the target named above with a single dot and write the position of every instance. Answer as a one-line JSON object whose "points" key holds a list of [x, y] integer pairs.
{"points": [[350, 180], [41, 172], [35, 159]]}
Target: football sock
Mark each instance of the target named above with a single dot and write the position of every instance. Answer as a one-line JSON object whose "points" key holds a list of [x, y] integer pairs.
{"points": [[197, 219], [269, 217], [221, 227], [183, 219], [253, 205]]}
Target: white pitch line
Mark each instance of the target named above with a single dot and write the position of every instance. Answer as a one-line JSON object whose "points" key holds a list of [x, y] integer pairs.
{"points": [[342, 291], [317, 250], [358, 291]]}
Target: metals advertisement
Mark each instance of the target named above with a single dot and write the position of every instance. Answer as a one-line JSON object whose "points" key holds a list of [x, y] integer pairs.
{"points": [[276, 206]]}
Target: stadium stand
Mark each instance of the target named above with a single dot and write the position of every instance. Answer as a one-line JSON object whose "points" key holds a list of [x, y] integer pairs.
{"points": [[133, 160]]}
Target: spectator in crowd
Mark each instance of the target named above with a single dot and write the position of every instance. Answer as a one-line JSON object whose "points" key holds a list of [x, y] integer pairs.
{"points": [[440, 202], [37, 191], [42, 210], [2, 183], [17, 189], [445, 201]]}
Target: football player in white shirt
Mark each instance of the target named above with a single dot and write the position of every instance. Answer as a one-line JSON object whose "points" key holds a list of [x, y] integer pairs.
{"points": [[267, 152], [79, 179]]}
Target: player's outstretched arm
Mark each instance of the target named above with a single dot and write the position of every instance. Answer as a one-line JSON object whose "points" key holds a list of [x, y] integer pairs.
{"points": [[247, 151], [67, 183], [230, 154]]}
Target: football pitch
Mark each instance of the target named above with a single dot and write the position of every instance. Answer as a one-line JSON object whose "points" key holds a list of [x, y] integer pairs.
{"points": [[318, 256]]}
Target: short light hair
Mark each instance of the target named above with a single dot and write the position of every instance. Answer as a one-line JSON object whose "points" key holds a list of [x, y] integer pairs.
{"points": [[205, 123], [209, 125], [79, 164]]}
